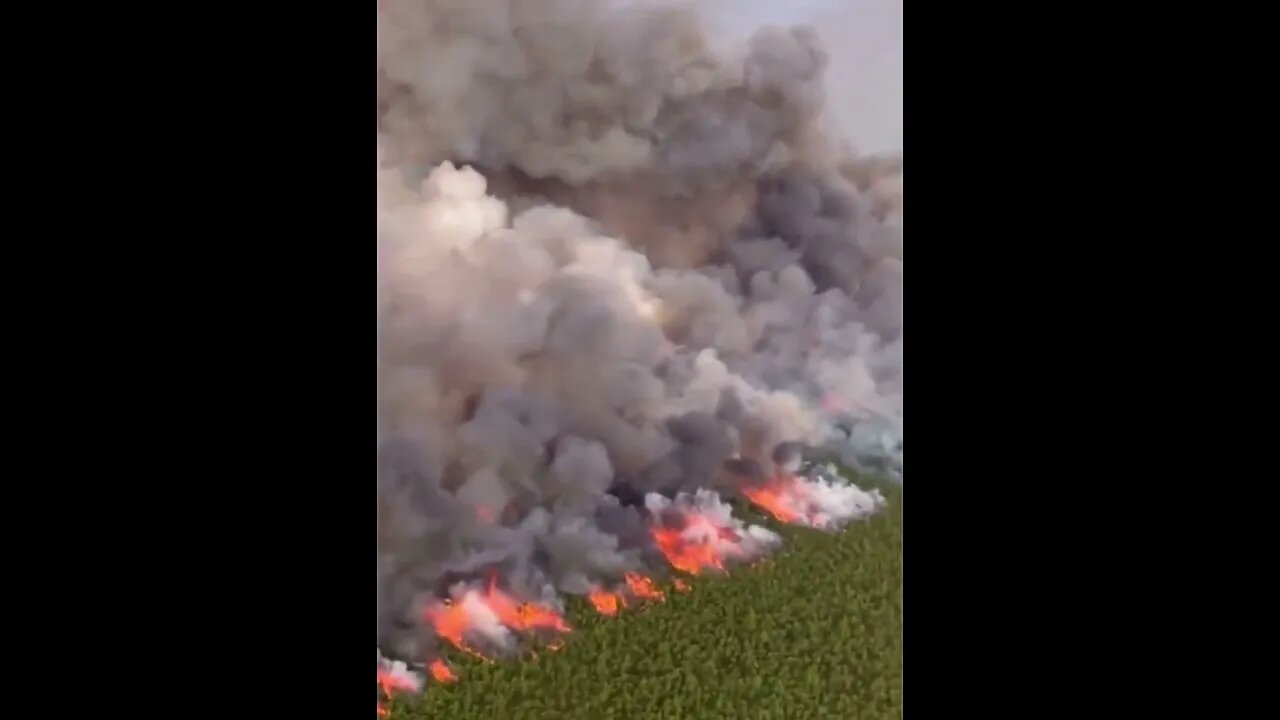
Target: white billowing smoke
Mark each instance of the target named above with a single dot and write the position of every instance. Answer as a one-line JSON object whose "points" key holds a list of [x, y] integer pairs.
{"points": [[611, 262], [396, 676], [829, 503], [713, 525], [816, 496]]}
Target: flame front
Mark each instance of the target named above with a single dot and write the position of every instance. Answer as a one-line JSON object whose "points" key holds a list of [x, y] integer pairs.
{"points": [[818, 502], [453, 621], [522, 616], [689, 557], [696, 546], [394, 677], [777, 498], [681, 586], [605, 602], [390, 682], [642, 587], [442, 672], [450, 622]]}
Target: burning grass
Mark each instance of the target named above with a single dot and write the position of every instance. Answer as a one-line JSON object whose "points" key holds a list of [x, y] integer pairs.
{"points": [[815, 632]]}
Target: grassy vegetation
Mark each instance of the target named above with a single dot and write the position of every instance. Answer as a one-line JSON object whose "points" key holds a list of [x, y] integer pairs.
{"points": [[816, 632]]}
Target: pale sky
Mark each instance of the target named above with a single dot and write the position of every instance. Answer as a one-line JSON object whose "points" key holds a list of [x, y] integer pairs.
{"points": [[864, 39]]}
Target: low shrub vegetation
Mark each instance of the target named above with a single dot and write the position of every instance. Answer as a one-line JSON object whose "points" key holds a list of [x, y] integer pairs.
{"points": [[813, 632]]}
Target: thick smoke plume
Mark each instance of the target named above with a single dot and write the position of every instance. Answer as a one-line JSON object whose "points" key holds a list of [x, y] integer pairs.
{"points": [[617, 269]]}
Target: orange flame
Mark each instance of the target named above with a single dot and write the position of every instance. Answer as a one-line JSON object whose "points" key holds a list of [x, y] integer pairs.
{"points": [[686, 556], [772, 498], [451, 621], [606, 603], [391, 683], [681, 586], [642, 587], [441, 672], [788, 499], [388, 683], [522, 616], [692, 556]]}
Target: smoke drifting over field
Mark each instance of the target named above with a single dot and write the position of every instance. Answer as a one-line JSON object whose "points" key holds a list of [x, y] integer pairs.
{"points": [[612, 263]]}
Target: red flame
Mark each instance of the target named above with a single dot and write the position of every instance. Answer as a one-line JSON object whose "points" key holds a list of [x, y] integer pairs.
{"points": [[681, 586], [382, 711], [484, 515], [642, 587], [605, 602], [441, 672]]}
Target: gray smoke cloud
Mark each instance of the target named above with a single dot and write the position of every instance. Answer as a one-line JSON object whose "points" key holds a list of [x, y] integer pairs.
{"points": [[610, 256]]}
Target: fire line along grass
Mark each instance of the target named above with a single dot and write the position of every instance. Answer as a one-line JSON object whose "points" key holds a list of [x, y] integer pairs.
{"points": [[811, 631]]}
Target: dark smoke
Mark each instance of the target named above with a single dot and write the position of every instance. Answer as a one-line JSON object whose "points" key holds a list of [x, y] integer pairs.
{"points": [[615, 269]]}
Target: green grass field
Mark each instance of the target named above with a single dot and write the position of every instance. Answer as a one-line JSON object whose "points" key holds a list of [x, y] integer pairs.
{"points": [[815, 632]]}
